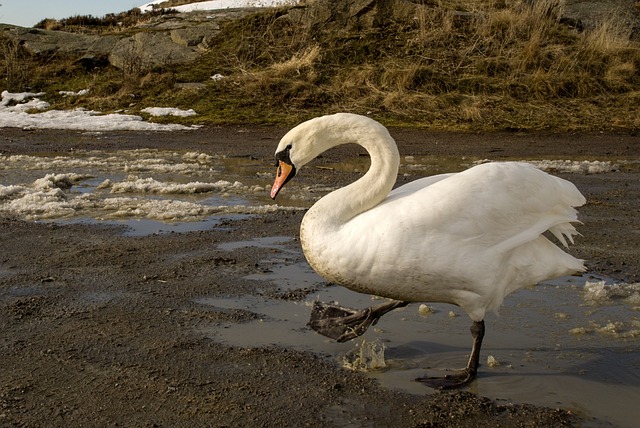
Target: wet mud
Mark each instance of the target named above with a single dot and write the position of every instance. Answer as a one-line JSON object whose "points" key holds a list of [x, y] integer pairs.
{"points": [[101, 328]]}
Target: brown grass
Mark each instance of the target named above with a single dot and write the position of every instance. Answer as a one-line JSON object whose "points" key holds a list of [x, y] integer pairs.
{"points": [[454, 64], [298, 63], [14, 63], [111, 22]]}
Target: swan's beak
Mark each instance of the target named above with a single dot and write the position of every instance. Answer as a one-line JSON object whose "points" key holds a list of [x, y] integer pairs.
{"points": [[284, 173]]}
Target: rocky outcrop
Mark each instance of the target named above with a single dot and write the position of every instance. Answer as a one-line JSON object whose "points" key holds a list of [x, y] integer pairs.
{"points": [[43, 42], [171, 39], [181, 38], [624, 14], [165, 40]]}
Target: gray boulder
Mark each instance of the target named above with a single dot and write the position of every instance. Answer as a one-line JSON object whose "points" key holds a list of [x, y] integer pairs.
{"points": [[164, 40]]}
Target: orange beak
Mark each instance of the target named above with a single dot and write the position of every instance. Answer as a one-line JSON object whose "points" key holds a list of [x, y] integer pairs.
{"points": [[283, 174]]}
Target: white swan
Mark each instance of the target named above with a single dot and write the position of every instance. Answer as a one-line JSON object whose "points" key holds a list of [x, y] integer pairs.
{"points": [[468, 238]]}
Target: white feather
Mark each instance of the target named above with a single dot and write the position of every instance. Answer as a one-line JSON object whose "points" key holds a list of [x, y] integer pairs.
{"points": [[468, 238]]}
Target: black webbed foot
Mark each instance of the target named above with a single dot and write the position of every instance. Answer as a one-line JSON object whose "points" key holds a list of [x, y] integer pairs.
{"points": [[450, 381], [342, 324], [466, 375]]}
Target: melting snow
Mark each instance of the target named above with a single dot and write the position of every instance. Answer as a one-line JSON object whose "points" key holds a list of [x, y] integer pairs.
{"points": [[220, 4], [601, 296], [16, 98], [599, 292], [14, 108], [576, 167], [168, 111], [150, 185], [74, 94], [166, 186], [569, 166]]}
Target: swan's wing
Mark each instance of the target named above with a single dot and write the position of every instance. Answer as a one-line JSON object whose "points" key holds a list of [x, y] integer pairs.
{"points": [[468, 238], [499, 205], [415, 186]]}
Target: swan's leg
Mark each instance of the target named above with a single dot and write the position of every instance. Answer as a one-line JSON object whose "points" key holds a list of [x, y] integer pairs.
{"points": [[469, 373], [344, 324]]}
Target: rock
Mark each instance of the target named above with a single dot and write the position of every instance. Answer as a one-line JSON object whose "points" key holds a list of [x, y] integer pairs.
{"points": [[178, 38], [347, 16], [165, 40], [172, 39], [143, 51], [587, 14], [45, 42], [93, 61]]}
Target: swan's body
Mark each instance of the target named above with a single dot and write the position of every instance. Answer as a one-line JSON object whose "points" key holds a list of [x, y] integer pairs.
{"points": [[467, 239]]}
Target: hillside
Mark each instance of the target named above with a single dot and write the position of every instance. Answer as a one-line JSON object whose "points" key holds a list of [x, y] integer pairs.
{"points": [[486, 65]]}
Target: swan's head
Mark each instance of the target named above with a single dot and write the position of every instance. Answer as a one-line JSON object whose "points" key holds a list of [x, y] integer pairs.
{"points": [[286, 167], [306, 141]]}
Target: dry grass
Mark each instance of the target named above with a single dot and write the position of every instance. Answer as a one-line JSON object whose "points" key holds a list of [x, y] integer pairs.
{"points": [[13, 63], [298, 63], [454, 64], [111, 22]]}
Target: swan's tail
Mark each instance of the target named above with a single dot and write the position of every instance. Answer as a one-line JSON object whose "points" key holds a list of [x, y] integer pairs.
{"points": [[563, 232], [559, 223], [557, 218], [540, 260]]}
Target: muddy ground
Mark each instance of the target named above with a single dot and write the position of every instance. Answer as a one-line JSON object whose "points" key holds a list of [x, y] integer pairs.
{"points": [[100, 329]]}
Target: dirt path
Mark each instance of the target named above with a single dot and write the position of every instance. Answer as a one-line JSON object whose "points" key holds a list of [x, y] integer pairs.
{"points": [[99, 329]]}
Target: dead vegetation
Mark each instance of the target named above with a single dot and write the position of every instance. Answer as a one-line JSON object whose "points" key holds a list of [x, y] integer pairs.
{"points": [[444, 64], [480, 65], [89, 24]]}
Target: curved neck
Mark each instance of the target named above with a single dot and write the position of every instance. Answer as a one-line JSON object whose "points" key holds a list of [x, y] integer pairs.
{"points": [[340, 206]]}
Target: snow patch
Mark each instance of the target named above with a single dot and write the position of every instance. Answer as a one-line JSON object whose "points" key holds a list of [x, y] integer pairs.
{"points": [[167, 186], [152, 186], [575, 167], [168, 111], [596, 293], [74, 94], [14, 108], [220, 4], [21, 97], [568, 166]]}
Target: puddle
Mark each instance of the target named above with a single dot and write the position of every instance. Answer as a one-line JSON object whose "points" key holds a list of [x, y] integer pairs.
{"points": [[553, 345], [186, 191], [145, 227], [149, 191], [275, 242]]}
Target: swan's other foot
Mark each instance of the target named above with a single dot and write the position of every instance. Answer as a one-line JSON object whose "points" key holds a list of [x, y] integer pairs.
{"points": [[342, 324], [465, 375], [449, 381]]}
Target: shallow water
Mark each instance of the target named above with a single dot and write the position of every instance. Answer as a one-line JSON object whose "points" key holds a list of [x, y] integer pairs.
{"points": [[146, 190], [559, 344], [145, 227], [187, 190]]}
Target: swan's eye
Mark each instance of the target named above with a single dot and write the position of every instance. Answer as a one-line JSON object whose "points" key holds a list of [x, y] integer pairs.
{"points": [[283, 155]]}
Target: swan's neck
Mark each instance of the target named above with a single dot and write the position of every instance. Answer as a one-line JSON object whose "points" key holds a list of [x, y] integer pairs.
{"points": [[342, 205]]}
